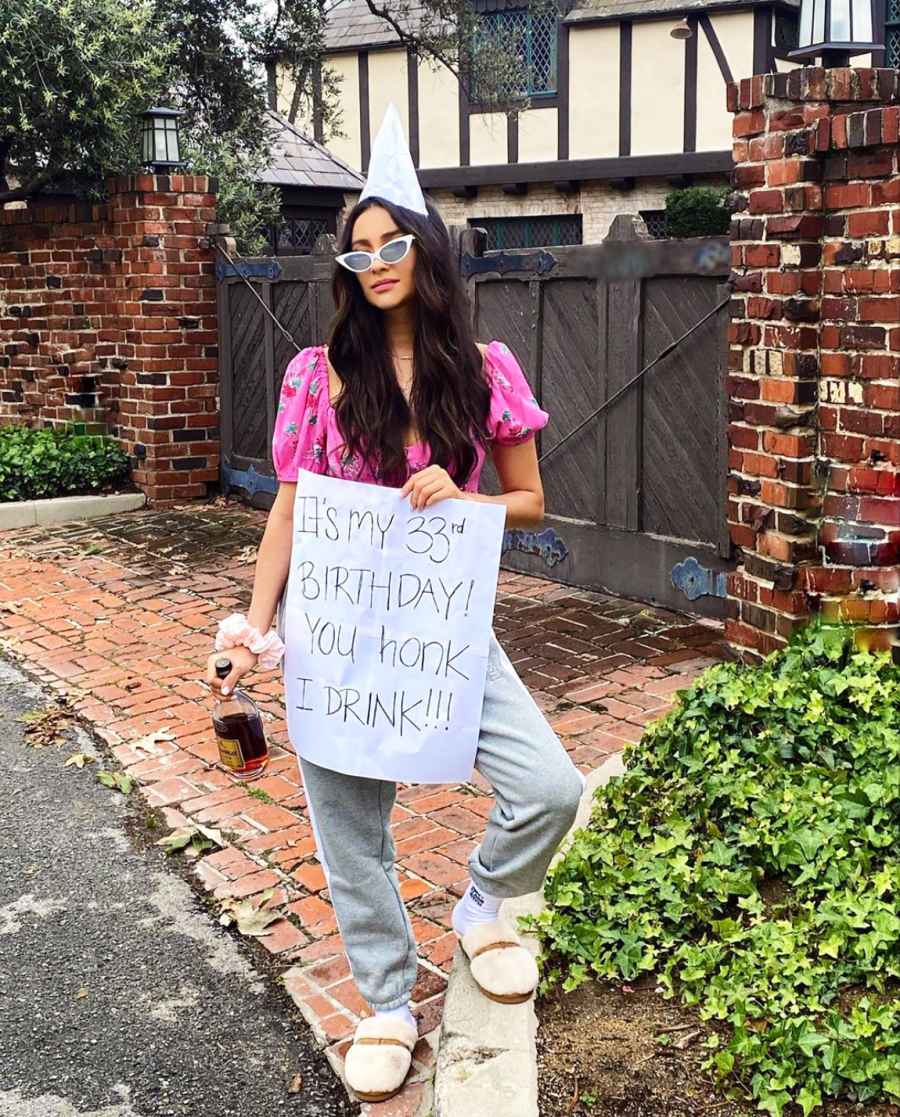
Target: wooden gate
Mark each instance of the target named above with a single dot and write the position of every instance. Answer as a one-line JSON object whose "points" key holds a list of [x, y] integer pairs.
{"points": [[253, 354], [635, 501]]}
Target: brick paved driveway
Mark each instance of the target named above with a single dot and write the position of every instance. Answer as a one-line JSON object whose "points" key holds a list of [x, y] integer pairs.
{"points": [[119, 614]]}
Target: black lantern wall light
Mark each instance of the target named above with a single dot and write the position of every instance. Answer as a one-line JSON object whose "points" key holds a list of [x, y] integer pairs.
{"points": [[160, 143], [835, 30]]}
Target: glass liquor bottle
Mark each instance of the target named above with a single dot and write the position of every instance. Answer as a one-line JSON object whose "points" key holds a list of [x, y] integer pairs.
{"points": [[238, 726]]}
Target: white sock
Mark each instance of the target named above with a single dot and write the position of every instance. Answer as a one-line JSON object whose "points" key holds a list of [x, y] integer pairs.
{"points": [[401, 1012], [474, 907]]}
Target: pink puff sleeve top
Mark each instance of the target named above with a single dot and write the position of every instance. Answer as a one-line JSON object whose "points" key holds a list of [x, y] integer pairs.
{"points": [[307, 435]]}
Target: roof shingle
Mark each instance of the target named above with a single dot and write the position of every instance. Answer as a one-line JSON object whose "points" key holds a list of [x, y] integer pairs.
{"points": [[351, 25], [298, 160]]}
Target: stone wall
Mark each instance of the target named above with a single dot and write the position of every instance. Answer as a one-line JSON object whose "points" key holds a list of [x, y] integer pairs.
{"points": [[814, 437], [598, 202], [108, 319]]}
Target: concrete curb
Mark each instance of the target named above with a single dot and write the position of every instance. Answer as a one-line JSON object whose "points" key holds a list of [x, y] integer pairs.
{"points": [[60, 509], [487, 1057]]}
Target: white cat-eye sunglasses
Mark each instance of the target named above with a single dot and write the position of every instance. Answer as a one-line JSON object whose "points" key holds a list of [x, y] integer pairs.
{"points": [[391, 253]]}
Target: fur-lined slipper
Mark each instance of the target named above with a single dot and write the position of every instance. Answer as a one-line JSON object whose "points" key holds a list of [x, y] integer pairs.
{"points": [[378, 1061], [502, 968]]}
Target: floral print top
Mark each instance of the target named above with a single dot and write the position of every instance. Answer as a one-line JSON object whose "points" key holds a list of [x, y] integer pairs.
{"points": [[307, 436]]}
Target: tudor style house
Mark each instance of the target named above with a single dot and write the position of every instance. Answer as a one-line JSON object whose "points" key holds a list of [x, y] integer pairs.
{"points": [[627, 99]]}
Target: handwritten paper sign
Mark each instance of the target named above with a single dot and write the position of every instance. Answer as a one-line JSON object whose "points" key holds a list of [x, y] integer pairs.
{"points": [[387, 625]]}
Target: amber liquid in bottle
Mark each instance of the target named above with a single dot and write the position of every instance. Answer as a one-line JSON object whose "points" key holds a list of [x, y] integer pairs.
{"points": [[238, 726]]}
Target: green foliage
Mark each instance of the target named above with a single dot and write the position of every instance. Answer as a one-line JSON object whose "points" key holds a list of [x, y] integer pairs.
{"points": [[697, 211], [36, 464], [750, 857], [74, 76], [243, 203]]}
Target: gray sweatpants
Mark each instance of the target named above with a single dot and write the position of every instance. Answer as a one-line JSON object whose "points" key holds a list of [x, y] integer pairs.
{"points": [[536, 788]]}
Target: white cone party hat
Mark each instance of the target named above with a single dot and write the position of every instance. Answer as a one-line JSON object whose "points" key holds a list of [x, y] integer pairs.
{"points": [[392, 175]]}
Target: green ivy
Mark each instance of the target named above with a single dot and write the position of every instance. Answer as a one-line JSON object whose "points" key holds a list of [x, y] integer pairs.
{"points": [[697, 211], [750, 857], [50, 462]]}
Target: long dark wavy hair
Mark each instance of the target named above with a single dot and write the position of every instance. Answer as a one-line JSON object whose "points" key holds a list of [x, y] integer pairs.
{"points": [[450, 396]]}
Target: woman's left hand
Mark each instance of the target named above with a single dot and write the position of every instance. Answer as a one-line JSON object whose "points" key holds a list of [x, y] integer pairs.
{"points": [[430, 485]]}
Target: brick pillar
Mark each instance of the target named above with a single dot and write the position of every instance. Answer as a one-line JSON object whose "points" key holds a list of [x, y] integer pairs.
{"points": [[814, 432], [108, 319]]}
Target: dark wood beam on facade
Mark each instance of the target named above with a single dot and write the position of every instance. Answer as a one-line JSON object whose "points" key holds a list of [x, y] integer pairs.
{"points": [[512, 137], [464, 131], [879, 15], [690, 86], [623, 184], [562, 85], [624, 89], [566, 186], [365, 136], [579, 170], [515, 188], [457, 191], [763, 50], [716, 47], [412, 89]]}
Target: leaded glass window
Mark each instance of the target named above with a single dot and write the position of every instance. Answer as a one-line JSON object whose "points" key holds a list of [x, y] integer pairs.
{"points": [[892, 34], [296, 234], [655, 220], [530, 232], [532, 38]]}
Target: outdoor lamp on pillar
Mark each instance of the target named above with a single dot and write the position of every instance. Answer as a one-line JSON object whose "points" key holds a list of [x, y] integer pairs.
{"points": [[159, 139], [836, 30]]}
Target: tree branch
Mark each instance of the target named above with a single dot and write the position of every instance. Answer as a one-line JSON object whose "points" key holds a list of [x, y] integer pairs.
{"points": [[411, 40], [299, 82]]}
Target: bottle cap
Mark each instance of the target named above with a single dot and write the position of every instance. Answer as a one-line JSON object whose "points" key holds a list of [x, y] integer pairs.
{"points": [[223, 667]]}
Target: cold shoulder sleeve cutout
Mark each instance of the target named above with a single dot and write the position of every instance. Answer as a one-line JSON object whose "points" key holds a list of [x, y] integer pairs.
{"points": [[515, 414], [298, 440]]}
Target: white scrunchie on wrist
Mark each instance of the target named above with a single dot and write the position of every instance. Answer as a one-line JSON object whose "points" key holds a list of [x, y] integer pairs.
{"points": [[236, 631]]}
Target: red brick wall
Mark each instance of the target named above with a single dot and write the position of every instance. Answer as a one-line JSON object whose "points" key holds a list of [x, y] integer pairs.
{"points": [[108, 318], [814, 430]]}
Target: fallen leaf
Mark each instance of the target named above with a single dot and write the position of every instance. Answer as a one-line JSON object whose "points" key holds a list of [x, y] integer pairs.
{"points": [[148, 743], [79, 759], [296, 1084], [45, 726], [212, 834], [178, 839], [199, 837], [250, 920], [117, 780], [82, 992]]}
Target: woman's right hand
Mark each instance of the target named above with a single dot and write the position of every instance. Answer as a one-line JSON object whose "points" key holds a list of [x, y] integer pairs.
{"points": [[242, 661]]}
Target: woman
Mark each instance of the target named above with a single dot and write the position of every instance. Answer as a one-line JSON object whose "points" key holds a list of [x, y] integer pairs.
{"points": [[404, 396]]}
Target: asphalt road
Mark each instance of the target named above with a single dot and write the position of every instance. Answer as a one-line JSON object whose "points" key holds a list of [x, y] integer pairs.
{"points": [[120, 994]]}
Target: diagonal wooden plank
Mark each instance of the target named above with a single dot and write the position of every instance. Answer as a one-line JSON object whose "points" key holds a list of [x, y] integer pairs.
{"points": [[681, 412]]}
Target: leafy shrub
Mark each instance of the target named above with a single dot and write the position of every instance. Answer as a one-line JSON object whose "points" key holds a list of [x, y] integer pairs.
{"points": [[697, 211], [51, 462], [750, 857]]}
